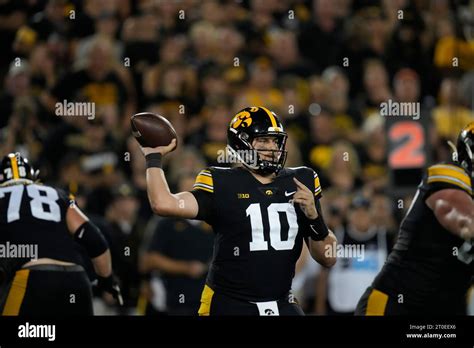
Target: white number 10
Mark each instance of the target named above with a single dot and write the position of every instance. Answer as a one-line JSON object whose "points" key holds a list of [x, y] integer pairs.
{"points": [[258, 242]]}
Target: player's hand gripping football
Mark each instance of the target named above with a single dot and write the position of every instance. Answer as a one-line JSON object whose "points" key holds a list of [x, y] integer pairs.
{"points": [[159, 149], [305, 198]]}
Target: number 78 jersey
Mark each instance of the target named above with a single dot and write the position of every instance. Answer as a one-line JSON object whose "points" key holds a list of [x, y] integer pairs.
{"points": [[259, 232], [36, 215]]}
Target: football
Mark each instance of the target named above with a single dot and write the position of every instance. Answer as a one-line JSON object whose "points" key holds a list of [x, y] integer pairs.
{"points": [[152, 130]]}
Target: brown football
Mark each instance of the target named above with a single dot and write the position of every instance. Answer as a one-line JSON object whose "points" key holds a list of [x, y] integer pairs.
{"points": [[152, 130]]}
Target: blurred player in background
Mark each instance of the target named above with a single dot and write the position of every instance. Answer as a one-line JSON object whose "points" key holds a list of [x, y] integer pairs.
{"points": [[260, 212], [431, 266], [49, 279]]}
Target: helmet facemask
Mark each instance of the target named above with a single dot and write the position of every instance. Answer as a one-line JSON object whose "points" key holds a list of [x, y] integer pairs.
{"points": [[253, 158], [277, 157], [465, 155]]}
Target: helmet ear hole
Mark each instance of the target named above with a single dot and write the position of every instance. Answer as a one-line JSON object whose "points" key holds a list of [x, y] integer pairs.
{"points": [[244, 140]]}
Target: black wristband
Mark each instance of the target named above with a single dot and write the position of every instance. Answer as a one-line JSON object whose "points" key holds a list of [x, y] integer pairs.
{"points": [[153, 160], [105, 283], [317, 229]]}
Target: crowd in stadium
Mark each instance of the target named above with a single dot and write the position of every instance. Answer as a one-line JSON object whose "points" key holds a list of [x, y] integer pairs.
{"points": [[324, 66]]}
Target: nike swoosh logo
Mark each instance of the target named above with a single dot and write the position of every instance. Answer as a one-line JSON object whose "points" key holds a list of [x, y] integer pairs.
{"points": [[313, 229], [289, 193], [81, 233]]}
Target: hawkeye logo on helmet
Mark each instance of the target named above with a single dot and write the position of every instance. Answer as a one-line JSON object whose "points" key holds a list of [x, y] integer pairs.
{"points": [[243, 119]]}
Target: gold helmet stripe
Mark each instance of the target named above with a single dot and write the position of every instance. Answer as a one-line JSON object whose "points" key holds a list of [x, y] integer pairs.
{"points": [[14, 163], [272, 118]]}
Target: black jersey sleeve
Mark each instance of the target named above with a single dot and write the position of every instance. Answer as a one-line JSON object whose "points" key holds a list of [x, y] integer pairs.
{"points": [[318, 193], [311, 179], [203, 191], [446, 176], [65, 200]]}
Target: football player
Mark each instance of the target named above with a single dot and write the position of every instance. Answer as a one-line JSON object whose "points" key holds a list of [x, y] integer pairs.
{"points": [[260, 212], [39, 226], [430, 267]]}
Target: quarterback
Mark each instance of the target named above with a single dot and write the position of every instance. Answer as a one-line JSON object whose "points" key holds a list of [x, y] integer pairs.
{"points": [[260, 212]]}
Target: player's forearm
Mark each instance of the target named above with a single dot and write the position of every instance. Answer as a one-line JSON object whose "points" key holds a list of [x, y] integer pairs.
{"points": [[162, 201], [322, 251], [103, 264], [454, 210], [452, 219]]}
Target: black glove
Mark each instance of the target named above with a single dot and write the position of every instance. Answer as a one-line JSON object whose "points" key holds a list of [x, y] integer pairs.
{"points": [[110, 284]]}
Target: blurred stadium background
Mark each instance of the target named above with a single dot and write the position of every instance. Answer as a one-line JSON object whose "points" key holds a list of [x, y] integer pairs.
{"points": [[324, 66]]}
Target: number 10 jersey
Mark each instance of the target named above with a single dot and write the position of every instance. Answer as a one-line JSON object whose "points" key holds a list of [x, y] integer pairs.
{"points": [[259, 231]]}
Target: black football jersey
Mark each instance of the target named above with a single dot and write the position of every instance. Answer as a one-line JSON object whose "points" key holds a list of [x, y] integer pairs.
{"points": [[35, 215], [429, 265], [259, 232]]}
